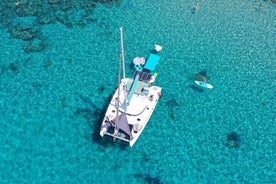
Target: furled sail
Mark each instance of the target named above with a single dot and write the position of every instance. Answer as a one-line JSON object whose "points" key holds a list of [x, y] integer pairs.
{"points": [[123, 124]]}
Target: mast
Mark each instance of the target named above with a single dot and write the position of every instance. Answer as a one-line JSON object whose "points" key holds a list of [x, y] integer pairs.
{"points": [[118, 102], [122, 57], [121, 62], [122, 51]]}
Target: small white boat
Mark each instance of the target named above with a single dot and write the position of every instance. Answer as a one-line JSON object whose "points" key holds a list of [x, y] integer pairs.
{"points": [[204, 84], [133, 102]]}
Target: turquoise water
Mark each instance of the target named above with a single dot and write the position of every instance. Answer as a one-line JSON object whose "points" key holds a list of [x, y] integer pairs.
{"points": [[52, 102]]}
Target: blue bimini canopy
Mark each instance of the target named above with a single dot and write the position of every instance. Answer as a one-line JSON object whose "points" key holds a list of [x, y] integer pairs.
{"points": [[152, 61]]}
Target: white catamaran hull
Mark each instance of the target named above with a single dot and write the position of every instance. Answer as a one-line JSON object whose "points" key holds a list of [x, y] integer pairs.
{"points": [[138, 112], [134, 100]]}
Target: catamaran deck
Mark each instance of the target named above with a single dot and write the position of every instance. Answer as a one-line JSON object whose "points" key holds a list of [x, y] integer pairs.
{"points": [[133, 102]]}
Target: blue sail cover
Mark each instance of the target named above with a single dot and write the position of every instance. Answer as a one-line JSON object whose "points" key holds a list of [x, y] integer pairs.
{"points": [[152, 61], [133, 88]]}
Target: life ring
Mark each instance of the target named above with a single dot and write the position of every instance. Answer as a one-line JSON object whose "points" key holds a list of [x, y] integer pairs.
{"points": [[152, 79], [138, 67]]}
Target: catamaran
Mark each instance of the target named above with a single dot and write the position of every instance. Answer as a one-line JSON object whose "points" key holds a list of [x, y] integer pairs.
{"points": [[134, 100]]}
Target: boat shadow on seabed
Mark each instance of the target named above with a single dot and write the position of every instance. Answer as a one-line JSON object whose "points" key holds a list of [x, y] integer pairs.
{"points": [[93, 115], [96, 126]]}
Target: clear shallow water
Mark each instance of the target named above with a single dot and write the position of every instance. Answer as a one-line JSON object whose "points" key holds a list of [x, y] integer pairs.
{"points": [[52, 104]]}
